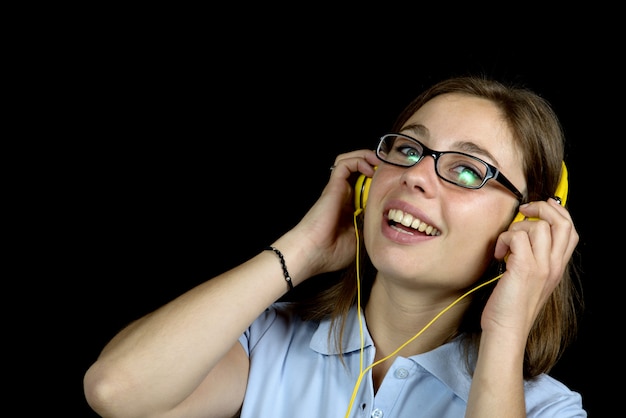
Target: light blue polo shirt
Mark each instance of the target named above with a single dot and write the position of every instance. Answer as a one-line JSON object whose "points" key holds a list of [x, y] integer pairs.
{"points": [[296, 372]]}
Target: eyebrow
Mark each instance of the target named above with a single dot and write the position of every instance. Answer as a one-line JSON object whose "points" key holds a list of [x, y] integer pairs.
{"points": [[420, 131]]}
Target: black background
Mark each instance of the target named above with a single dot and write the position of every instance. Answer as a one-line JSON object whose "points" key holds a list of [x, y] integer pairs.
{"points": [[187, 149]]}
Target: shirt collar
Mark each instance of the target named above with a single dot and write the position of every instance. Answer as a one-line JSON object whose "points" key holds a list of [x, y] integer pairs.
{"points": [[351, 335], [446, 362]]}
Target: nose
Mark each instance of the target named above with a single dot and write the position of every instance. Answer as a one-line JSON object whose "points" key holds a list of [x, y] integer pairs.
{"points": [[422, 175], [422, 162]]}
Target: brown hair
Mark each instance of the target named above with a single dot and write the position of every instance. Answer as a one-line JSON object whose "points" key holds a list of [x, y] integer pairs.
{"points": [[539, 135]]}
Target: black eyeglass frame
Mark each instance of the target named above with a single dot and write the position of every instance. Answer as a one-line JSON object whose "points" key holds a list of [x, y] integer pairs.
{"points": [[492, 172]]}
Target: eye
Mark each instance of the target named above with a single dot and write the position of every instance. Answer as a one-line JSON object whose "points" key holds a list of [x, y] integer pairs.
{"points": [[467, 176], [462, 169], [411, 154]]}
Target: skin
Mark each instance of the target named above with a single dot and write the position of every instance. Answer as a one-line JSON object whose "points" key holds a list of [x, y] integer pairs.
{"points": [[168, 363]]}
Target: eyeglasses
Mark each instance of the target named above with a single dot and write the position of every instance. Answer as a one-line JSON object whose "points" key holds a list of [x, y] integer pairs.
{"points": [[458, 168]]}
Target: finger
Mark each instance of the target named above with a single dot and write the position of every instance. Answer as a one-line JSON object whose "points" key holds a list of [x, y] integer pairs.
{"points": [[529, 246], [362, 161], [564, 233], [551, 234]]}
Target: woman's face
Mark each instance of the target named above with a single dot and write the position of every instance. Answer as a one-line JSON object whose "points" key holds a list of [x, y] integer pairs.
{"points": [[465, 223]]}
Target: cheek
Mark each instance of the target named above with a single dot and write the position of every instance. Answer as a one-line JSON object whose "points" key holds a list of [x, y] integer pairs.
{"points": [[478, 232], [370, 225]]}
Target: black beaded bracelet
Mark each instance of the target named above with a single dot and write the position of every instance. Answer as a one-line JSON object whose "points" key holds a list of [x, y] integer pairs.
{"points": [[283, 264]]}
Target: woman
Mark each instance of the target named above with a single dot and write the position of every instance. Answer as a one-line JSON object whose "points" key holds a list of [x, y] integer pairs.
{"points": [[446, 309]]}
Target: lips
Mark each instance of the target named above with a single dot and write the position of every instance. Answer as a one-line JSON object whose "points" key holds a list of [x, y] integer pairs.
{"points": [[406, 219]]}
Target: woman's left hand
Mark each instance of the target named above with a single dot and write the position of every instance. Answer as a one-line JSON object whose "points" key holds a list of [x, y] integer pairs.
{"points": [[537, 252]]}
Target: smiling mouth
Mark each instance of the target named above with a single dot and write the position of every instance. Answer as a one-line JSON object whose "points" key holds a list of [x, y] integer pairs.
{"points": [[398, 217]]}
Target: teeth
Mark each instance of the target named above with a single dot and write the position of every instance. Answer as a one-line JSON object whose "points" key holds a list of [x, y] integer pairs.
{"points": [[409, 220]]}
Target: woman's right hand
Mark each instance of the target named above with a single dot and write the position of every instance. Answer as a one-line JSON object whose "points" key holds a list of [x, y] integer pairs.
{"points": [[327, 229]]}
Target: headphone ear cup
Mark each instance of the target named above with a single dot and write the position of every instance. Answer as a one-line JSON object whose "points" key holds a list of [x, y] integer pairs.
{"points": [[561, 192], [563, 186], [361, 191]]}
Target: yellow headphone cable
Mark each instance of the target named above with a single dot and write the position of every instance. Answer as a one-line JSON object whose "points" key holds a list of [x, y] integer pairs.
{"points": [[358, 281]]}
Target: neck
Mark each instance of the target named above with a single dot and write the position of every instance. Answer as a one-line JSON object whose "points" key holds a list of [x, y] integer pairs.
{"points": [[397, 315]]}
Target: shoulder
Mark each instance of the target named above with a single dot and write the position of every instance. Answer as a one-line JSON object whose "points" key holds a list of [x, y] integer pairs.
{"points": [[546, 396], [275, 315], [276, 325]]}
